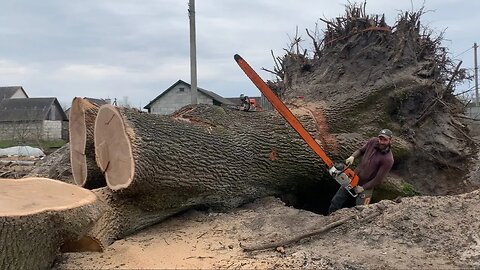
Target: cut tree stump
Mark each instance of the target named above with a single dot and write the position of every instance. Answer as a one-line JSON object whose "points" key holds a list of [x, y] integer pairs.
{"points": [[202, 155], [39, 215], [82, 154]]}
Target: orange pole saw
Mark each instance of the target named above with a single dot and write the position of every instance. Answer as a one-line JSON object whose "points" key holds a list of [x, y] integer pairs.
{"points": [[345, 176]]}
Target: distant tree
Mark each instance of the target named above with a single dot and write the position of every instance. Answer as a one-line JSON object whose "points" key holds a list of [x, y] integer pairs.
{"points": [[64, 105]]}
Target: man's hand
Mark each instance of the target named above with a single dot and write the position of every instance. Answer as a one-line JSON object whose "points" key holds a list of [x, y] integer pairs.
{"points": [[349, 160], [358, 189]]}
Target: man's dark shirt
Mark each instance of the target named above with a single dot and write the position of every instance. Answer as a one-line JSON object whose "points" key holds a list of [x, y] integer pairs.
{"points": [[375, 164]]}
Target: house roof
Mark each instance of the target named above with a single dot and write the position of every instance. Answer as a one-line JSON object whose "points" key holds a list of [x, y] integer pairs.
{"points": [[8, 91], [28, 109], [204, 91], [97, 101]]}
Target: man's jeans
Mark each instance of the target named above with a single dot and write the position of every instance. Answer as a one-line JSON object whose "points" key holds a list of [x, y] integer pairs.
{"points": [[342, 196]]}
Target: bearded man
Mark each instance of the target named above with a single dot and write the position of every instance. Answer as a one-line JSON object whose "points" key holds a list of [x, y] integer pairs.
{"points": [[377, 160]]}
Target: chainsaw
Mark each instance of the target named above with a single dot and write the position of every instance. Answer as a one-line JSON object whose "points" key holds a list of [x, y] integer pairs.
{"points": [[246, 104], [345, 176]]}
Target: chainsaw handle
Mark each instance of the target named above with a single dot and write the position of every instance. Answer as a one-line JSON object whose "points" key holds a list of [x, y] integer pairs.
{"points": [[346, 167], [348, 188], [350, 173], [353, 180]]}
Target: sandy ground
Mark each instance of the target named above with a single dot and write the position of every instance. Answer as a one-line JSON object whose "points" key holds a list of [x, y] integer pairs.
{"points": [[421, 232]]}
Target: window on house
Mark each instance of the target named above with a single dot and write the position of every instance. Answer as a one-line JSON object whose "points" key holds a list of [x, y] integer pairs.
{"points": [[181, 89]]}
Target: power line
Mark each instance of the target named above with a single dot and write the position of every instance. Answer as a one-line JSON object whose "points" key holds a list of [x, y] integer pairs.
{"points": [[463, 52]]}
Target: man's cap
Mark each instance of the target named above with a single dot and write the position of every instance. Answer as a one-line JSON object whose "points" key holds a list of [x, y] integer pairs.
{"points": [[386, 133]]}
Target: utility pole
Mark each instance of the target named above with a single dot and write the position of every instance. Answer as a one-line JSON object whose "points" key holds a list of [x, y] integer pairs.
{"points": [[193, 52], [476, 73]]}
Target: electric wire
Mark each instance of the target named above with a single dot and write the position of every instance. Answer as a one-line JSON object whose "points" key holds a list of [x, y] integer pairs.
{"points": [[463, 52]]}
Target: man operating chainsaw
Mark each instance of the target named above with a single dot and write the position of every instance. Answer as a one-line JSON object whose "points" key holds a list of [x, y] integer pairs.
{"points": [[377, 160]]}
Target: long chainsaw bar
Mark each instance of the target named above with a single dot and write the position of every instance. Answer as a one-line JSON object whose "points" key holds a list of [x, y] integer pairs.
{"points": [[345, 176]]}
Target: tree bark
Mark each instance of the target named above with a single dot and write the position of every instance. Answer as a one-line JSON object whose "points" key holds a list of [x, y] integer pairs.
{"points": [[38, 215], [203, 155], [55, 166], [82, 154], [121, 217]]}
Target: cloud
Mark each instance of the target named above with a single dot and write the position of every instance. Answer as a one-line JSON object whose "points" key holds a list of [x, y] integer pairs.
{"points": [[115, 48], [91, 72], [169, 70], [12, 69]]}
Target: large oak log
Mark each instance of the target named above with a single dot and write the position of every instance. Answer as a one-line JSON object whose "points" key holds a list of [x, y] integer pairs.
{"points": [[203, 155], [37, 216], [237, 147], [82, 154]]}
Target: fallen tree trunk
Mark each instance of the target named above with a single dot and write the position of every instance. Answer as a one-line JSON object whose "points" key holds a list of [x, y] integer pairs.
{"points": [[120, 218], [37, 216], [229, 144], [82, 154], [203, 155]]}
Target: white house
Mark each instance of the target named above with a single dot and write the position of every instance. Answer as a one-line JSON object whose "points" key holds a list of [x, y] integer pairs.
{"points": [[178, 95]]}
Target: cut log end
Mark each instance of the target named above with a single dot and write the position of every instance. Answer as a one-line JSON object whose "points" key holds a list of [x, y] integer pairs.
{"points": [[85, 171], [113, 150], [19, 197], [78, 139]]}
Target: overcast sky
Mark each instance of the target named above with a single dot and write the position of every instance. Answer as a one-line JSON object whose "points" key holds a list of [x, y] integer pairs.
{"points": [[137, 49]]}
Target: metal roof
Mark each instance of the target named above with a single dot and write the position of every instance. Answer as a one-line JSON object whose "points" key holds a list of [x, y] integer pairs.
{"points": [[28, 109], [204, 91], [8, 91]]}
